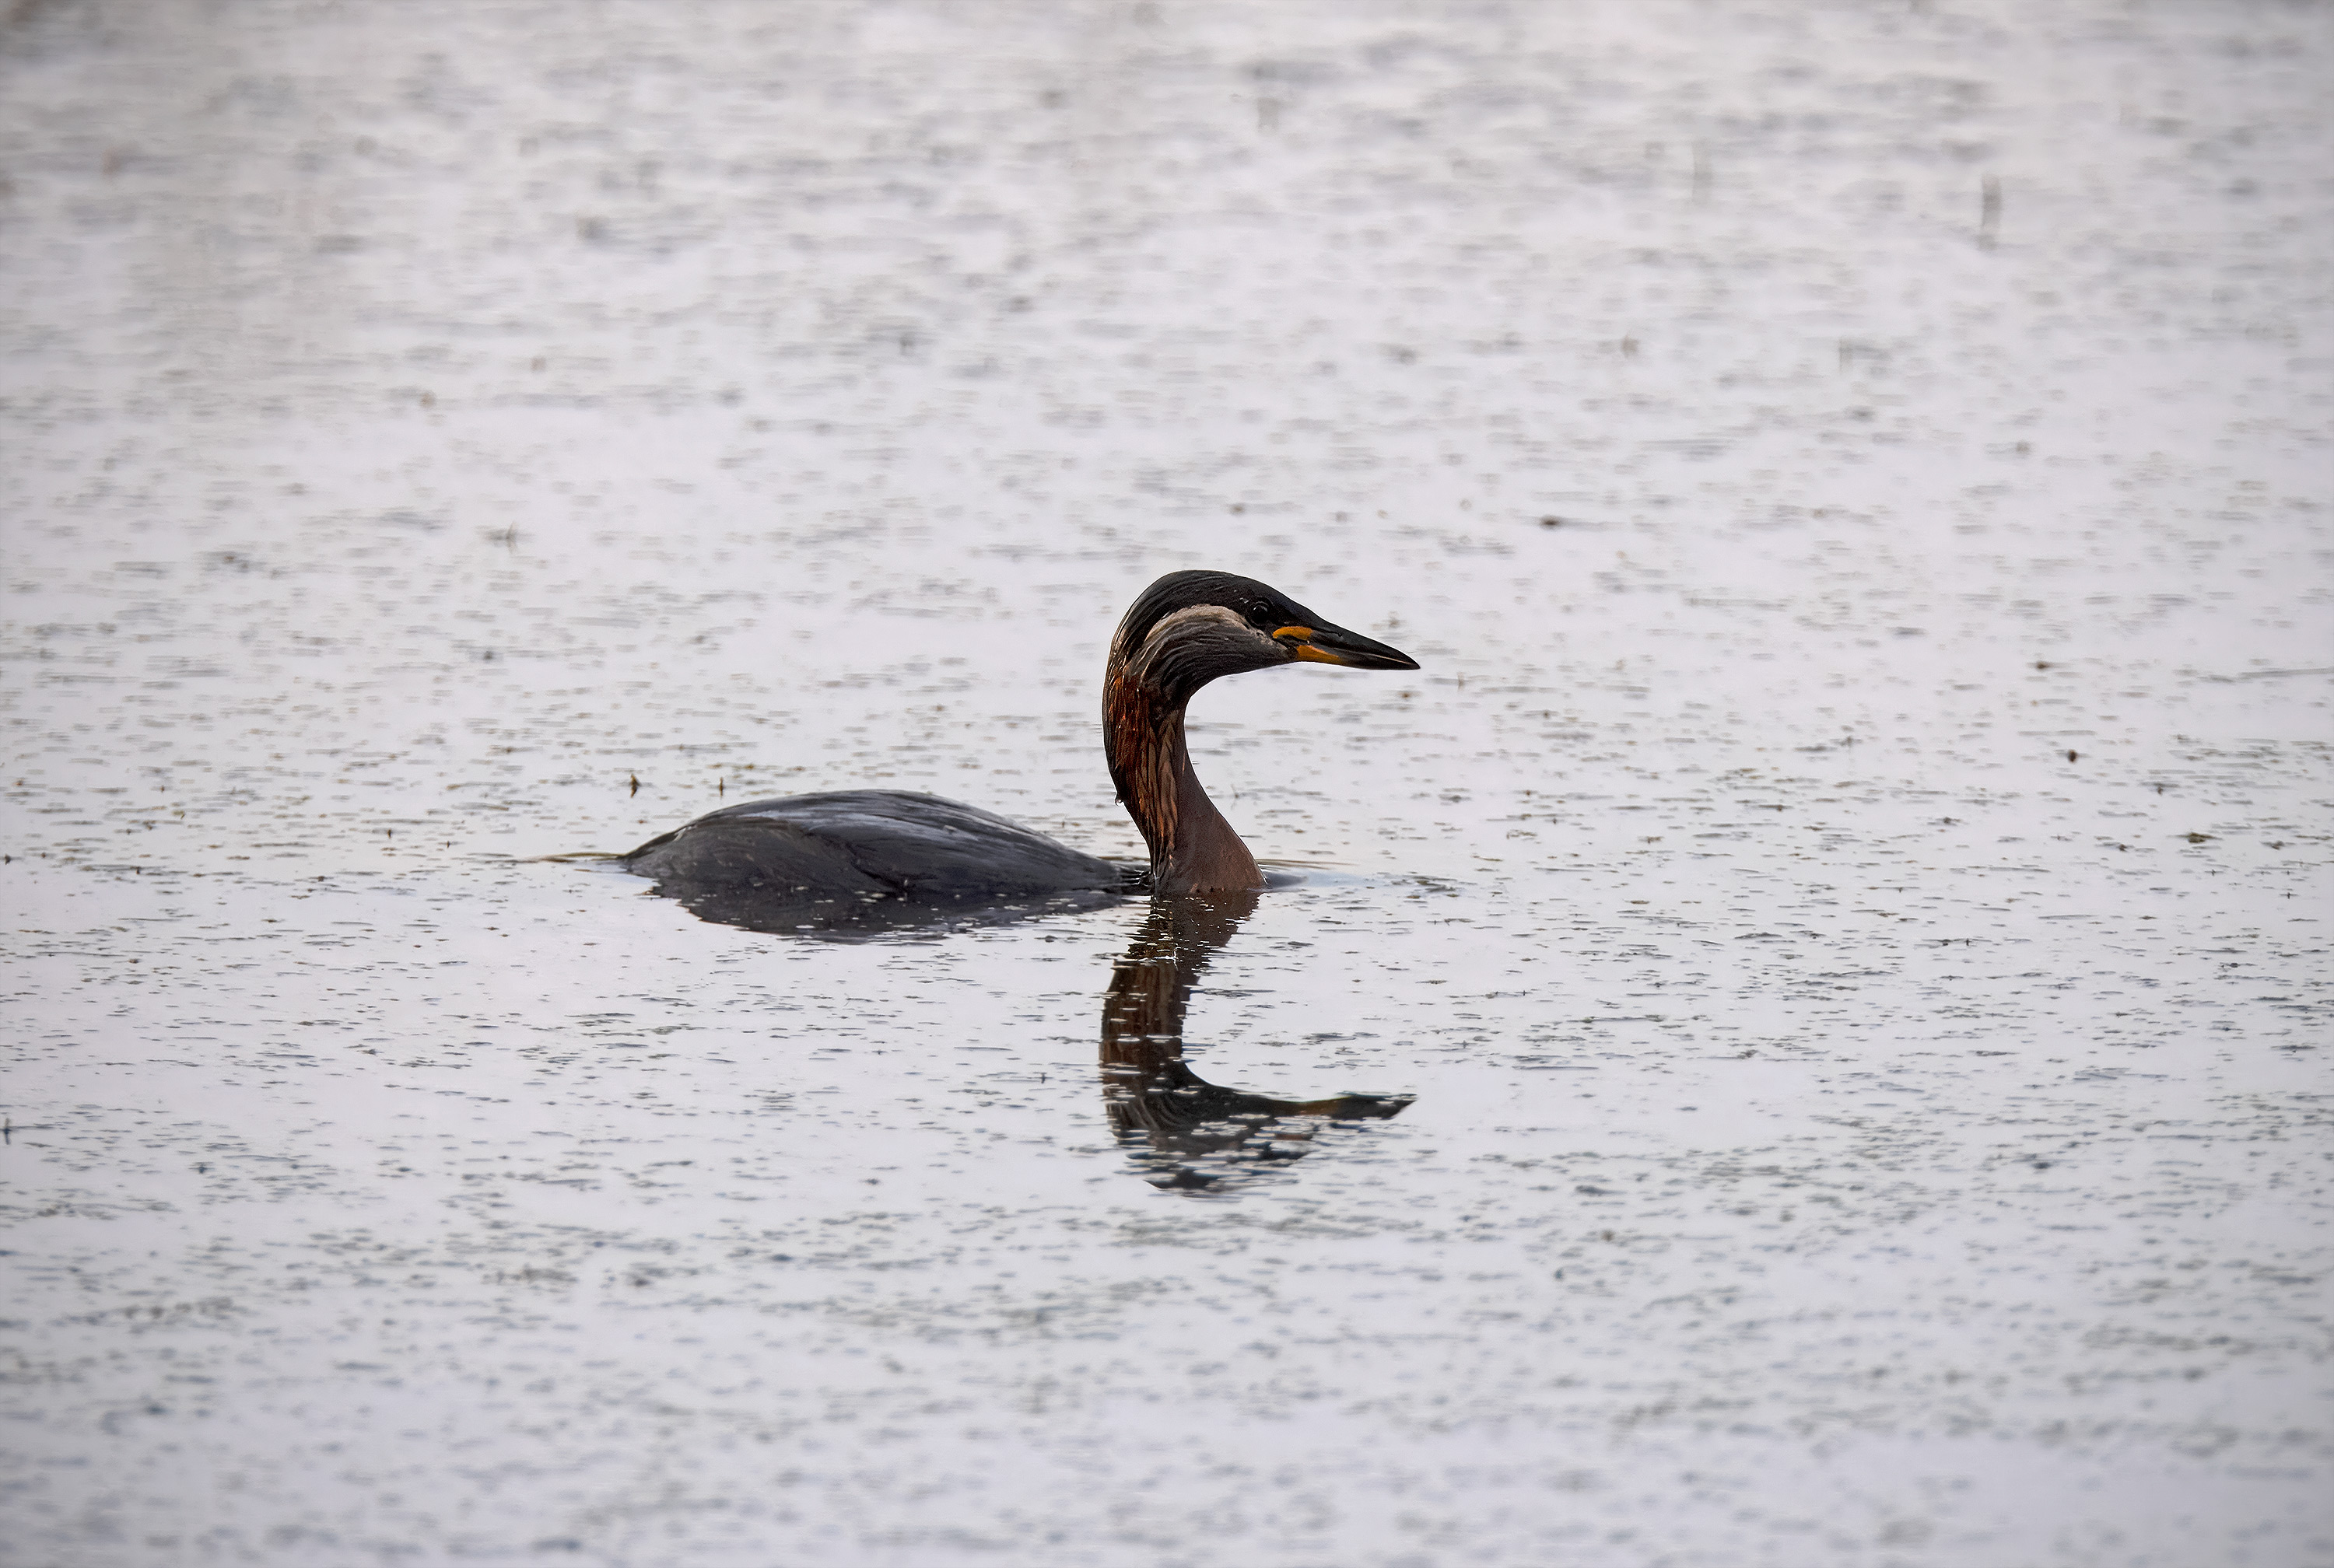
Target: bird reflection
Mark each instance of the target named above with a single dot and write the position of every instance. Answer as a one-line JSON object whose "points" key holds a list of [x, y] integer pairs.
{"points": [[1183, 1132]]}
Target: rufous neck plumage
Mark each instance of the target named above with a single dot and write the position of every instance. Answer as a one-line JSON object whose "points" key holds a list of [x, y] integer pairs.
{"points": [[1193, 850]]}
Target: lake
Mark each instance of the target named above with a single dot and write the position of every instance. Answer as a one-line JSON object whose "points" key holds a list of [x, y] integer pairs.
{"points": [[1793, 1038]]}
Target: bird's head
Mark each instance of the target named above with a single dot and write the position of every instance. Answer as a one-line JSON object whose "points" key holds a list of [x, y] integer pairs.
{"points": [[1191, 627]]}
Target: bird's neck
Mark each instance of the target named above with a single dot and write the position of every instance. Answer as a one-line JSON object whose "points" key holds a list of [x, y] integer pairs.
{"points": [[1192, 848]]}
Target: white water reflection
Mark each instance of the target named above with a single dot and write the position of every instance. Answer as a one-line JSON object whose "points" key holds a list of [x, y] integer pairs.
{"points": [[1845, 891]]}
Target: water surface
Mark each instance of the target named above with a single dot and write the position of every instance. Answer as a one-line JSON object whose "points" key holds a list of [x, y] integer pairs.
{"points": [[1821, 977]]}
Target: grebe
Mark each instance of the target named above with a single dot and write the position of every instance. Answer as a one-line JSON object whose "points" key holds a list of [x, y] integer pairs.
{"points": [[842, 851]]}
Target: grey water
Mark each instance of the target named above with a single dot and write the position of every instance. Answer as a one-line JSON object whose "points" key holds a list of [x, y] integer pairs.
{"points": [[1797, 1037]]}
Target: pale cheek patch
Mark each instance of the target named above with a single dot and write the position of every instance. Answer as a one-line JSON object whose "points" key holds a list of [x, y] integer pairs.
{"points": [[1203, 624]]}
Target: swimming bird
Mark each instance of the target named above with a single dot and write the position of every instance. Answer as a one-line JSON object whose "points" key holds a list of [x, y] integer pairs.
{"points": [[838, 853]]}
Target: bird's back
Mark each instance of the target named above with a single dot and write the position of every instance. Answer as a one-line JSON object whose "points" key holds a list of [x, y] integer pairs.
{"points": [[860, 845]]}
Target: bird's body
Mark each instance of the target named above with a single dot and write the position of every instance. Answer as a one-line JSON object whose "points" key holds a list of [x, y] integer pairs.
{"points": [[874, 843], [837, 854]]}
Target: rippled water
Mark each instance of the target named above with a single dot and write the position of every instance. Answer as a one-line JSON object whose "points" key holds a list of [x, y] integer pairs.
{"points": [[1796, 1037]]}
